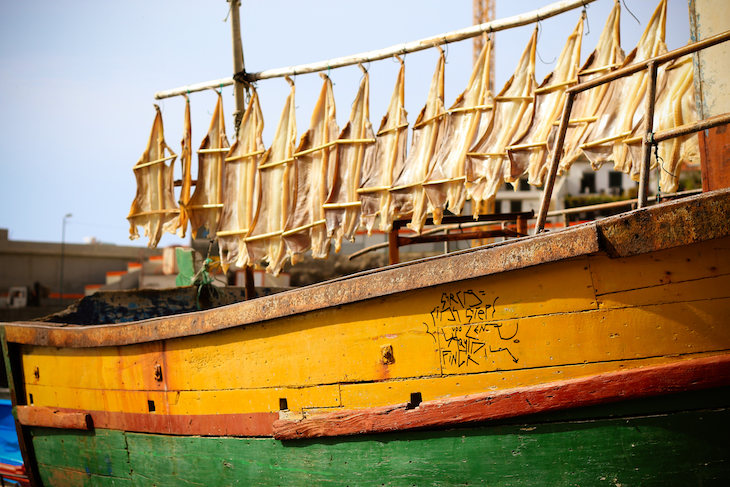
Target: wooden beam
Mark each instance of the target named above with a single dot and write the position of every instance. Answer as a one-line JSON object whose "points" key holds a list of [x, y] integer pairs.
{"points": [[688, 375], [54, 418]]}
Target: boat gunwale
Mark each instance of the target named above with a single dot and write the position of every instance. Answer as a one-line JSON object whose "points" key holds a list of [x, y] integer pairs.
{"points": [[674, 223]]}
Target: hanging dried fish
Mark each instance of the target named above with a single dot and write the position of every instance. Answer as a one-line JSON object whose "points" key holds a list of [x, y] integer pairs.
{"points": [[390, 155], [408, 195], [607, 57], [675, 106], [468, 117], [487, 165], [528, 153], [355, 149], [154, 206], [206, 203], [276, 193], [314, 164], [623, 104], [186, 158], [241, 186]]}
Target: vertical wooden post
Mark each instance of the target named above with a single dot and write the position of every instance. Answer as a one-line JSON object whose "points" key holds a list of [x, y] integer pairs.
{"points": [[238, 67], [250, 290], [393, 251], [648, 135], [238, 64], [553, 171], [715, 158], [522, 225]]}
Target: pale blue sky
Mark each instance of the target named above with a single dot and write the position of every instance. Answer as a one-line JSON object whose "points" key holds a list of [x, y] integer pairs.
{"points": [[77, 80]]}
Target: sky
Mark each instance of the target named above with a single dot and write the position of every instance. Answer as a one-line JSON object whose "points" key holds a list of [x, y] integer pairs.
{"points": [[78, 77]]}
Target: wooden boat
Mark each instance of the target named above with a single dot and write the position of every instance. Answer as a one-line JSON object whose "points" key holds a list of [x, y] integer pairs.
{"points": [[594, 355]]}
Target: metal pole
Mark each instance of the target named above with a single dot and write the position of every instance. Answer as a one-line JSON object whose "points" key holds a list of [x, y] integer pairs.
{"points": [[648, 132], [63, 248]]}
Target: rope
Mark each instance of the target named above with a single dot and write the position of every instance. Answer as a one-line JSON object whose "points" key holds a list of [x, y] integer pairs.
{"points": [[632, 13]]}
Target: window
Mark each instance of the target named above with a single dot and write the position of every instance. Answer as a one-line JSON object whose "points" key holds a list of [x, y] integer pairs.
{"points": [[515, 206], [615, 182], [588, 183]]}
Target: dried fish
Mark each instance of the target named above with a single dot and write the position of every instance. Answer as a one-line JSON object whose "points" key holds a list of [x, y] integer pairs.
{"points": [[468, 117], [186, 159], [408, 197], [623, 105], [390, 155], [675, 106], [487, 164], [607, 57], [154, 206], [206, 204], [355, 149], [241, 186], [528, 153], [314, 164], [276, 193]]}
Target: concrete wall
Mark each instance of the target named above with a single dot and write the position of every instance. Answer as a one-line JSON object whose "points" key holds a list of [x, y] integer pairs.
{"points": [[24, 263]]}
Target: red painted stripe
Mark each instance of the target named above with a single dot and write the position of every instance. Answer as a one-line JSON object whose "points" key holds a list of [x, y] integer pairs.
{"points": [[693, 374], [252, 424]]}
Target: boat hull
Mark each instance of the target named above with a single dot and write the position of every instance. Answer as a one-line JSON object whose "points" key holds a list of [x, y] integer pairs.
{"points": [[504, 349], [676, 440]]}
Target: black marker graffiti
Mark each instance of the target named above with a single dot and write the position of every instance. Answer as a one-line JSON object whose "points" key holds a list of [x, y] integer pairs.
{"points": [[462, 322]]}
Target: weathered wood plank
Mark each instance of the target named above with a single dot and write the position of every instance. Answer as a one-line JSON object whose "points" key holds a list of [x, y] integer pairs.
{"points": [[686, 291], [686, 448], [101, 452], [673, 224], [700, 373], [364, 395], [53, 418], [700, 261], [188, 402], [62, 477]]}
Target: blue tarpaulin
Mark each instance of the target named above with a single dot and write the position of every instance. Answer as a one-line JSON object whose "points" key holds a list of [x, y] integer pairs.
{"points": [[9, 449]]}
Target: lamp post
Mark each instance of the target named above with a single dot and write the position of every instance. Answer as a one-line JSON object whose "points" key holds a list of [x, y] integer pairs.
{"points": [[63, 248]]}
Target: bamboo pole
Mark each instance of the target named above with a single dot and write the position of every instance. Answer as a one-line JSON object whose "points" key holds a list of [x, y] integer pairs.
{"points": [[413, 46]]}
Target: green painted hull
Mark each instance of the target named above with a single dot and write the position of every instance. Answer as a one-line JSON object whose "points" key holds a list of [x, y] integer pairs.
{"points": [[654, 447]]}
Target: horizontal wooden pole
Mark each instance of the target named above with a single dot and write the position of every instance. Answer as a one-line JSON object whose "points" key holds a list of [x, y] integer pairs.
{"points": [[661, 59], [414, 46], [618, 204], [691, 128]]}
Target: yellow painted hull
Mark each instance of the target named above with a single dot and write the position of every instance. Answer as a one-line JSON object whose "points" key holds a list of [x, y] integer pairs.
{"points": [[582, 316]]}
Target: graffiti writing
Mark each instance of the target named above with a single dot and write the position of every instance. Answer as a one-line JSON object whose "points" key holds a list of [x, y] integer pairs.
{"points": [[464, 323]]}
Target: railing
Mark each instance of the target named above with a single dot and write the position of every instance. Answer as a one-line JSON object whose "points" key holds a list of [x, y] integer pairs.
{"points": [[650, 138]]}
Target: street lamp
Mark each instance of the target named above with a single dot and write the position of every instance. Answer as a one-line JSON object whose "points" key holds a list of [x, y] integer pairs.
{"points": [[63, 247]]}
